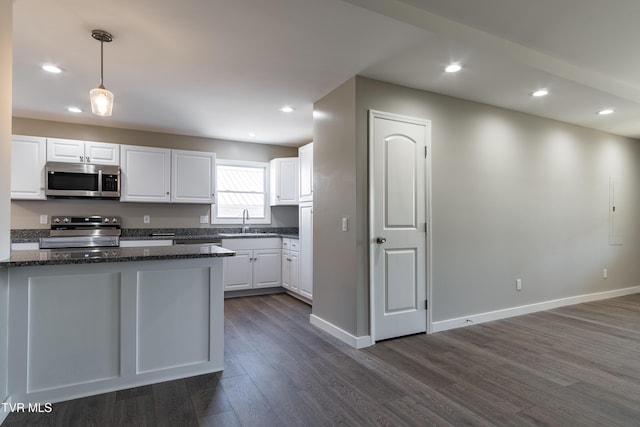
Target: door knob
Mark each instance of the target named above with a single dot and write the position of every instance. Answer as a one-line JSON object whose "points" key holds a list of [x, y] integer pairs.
{"points": [[380, 240]]}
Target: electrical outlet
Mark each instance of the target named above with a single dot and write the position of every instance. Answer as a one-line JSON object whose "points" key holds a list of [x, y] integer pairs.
{"points": [[344, 224], [204, 219], [518, 284], [146, 219], [44, 219], [605, 273]]}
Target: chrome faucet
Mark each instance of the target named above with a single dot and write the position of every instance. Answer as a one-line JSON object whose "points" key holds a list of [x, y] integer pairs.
{"points": [[245, 213]]}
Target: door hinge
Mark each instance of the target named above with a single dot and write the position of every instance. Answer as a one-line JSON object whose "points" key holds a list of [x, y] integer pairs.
{"points": [[425, 151], [426, 304]]}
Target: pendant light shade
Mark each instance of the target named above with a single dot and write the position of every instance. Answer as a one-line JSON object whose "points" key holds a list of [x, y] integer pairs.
{"points": [[101, 101], [101, 98]]}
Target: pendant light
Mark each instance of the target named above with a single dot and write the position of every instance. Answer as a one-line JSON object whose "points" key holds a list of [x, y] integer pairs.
{"points": [[101, 98]]}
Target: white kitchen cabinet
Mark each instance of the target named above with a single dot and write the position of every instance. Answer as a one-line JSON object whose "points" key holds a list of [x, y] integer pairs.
{"points": [[75, 151], [26, 246], [290, 264], [256, 264], [238, 271], [266, 268], [305, 157], [144, 243], [306, 249], [146, 174], [192, 176], [284, 181], [28, 158]]}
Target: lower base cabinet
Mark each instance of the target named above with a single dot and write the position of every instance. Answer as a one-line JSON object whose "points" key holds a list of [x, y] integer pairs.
{"points": [[290, 271], [256, 264]]}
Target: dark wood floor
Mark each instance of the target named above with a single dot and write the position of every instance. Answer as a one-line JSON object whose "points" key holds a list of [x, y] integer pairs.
{"points": [[574, 366]]}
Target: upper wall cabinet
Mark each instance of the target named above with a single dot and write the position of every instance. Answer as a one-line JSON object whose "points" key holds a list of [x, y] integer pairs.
{"points": [[284, 181], [161, 175], [305, 156], [146, 174], [74, 151], [28, 157], [192, 176]]}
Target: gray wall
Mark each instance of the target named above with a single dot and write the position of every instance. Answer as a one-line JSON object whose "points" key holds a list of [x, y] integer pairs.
{"points": [[26, 214], [334, 195], [516, 196], [513, 196], [6, 27]]}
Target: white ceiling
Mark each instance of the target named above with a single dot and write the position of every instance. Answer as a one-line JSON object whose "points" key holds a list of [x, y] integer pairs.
{"points": [[223, 68]]}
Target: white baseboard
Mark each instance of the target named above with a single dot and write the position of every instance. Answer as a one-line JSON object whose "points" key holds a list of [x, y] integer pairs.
{"points": [[460, 322], [341, 334]]}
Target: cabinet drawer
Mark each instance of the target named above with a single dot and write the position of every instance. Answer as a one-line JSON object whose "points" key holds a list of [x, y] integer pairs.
{"points": [[253, 243], [294, 244], [144, 243]]}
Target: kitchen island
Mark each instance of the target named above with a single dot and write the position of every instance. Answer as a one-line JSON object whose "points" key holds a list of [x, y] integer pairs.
{"points": [[88, 323]]}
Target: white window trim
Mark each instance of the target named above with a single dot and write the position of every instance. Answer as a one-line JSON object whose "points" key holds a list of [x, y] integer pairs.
{"points": [[265, 165]]}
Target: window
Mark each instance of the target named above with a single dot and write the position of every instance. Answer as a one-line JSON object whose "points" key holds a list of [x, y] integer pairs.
{"points": [[239, 186]]}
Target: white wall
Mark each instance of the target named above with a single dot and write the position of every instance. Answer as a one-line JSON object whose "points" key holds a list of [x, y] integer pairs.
{"points": [[513, 196]]}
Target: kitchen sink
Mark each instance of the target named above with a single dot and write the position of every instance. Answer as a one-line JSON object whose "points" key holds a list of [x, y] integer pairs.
{"points": [[248, 234]]}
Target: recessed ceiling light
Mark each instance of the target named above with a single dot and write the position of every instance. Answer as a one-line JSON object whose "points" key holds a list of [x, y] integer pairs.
{"points": [[453, 68], [606, 111], [287, 109], [74, 110], [52, 68], [540, 92]]}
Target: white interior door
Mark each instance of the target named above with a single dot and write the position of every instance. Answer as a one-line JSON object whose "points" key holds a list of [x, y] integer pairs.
{"points": [[398, 224]]}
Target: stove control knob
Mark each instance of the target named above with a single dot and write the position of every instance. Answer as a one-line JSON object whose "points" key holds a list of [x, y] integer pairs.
{"points": [[66, 220], [114, 220], [106, 220], [56, 220]]}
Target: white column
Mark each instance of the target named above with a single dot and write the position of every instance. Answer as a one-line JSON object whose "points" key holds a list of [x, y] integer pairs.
{"points": [[6, 28]]}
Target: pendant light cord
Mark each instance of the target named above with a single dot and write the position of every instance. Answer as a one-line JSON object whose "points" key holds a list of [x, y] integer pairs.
{"points": [[101, 64]]}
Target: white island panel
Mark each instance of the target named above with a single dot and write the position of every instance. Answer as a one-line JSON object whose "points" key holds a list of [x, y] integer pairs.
{"points": [[84, 329], [178, 333], [74, 329]]}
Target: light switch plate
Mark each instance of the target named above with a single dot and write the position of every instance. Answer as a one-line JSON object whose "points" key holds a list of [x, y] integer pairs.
{"points": [[44, 219], [344, 224]]}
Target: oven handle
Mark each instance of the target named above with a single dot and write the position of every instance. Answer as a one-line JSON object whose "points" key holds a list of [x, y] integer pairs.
{"points": [[100, 181]]}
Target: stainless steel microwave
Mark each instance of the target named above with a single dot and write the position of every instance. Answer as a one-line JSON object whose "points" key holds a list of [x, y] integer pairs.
{"points": [[82, 180]]}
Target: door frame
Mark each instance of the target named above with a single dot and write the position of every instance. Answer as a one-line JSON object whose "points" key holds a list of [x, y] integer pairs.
{"points": [[373, 114]]}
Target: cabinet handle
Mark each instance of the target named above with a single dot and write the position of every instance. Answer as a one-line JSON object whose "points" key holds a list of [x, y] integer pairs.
{"points": [[82, 158], [167, 193], [88, 160]]}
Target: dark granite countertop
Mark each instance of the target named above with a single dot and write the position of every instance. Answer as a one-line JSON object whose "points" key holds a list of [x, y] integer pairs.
{"points": [[34, 235], [77, 256]]}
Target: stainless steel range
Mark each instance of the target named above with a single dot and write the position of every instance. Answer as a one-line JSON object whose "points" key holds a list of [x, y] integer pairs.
{"points": [[83, 232]]}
